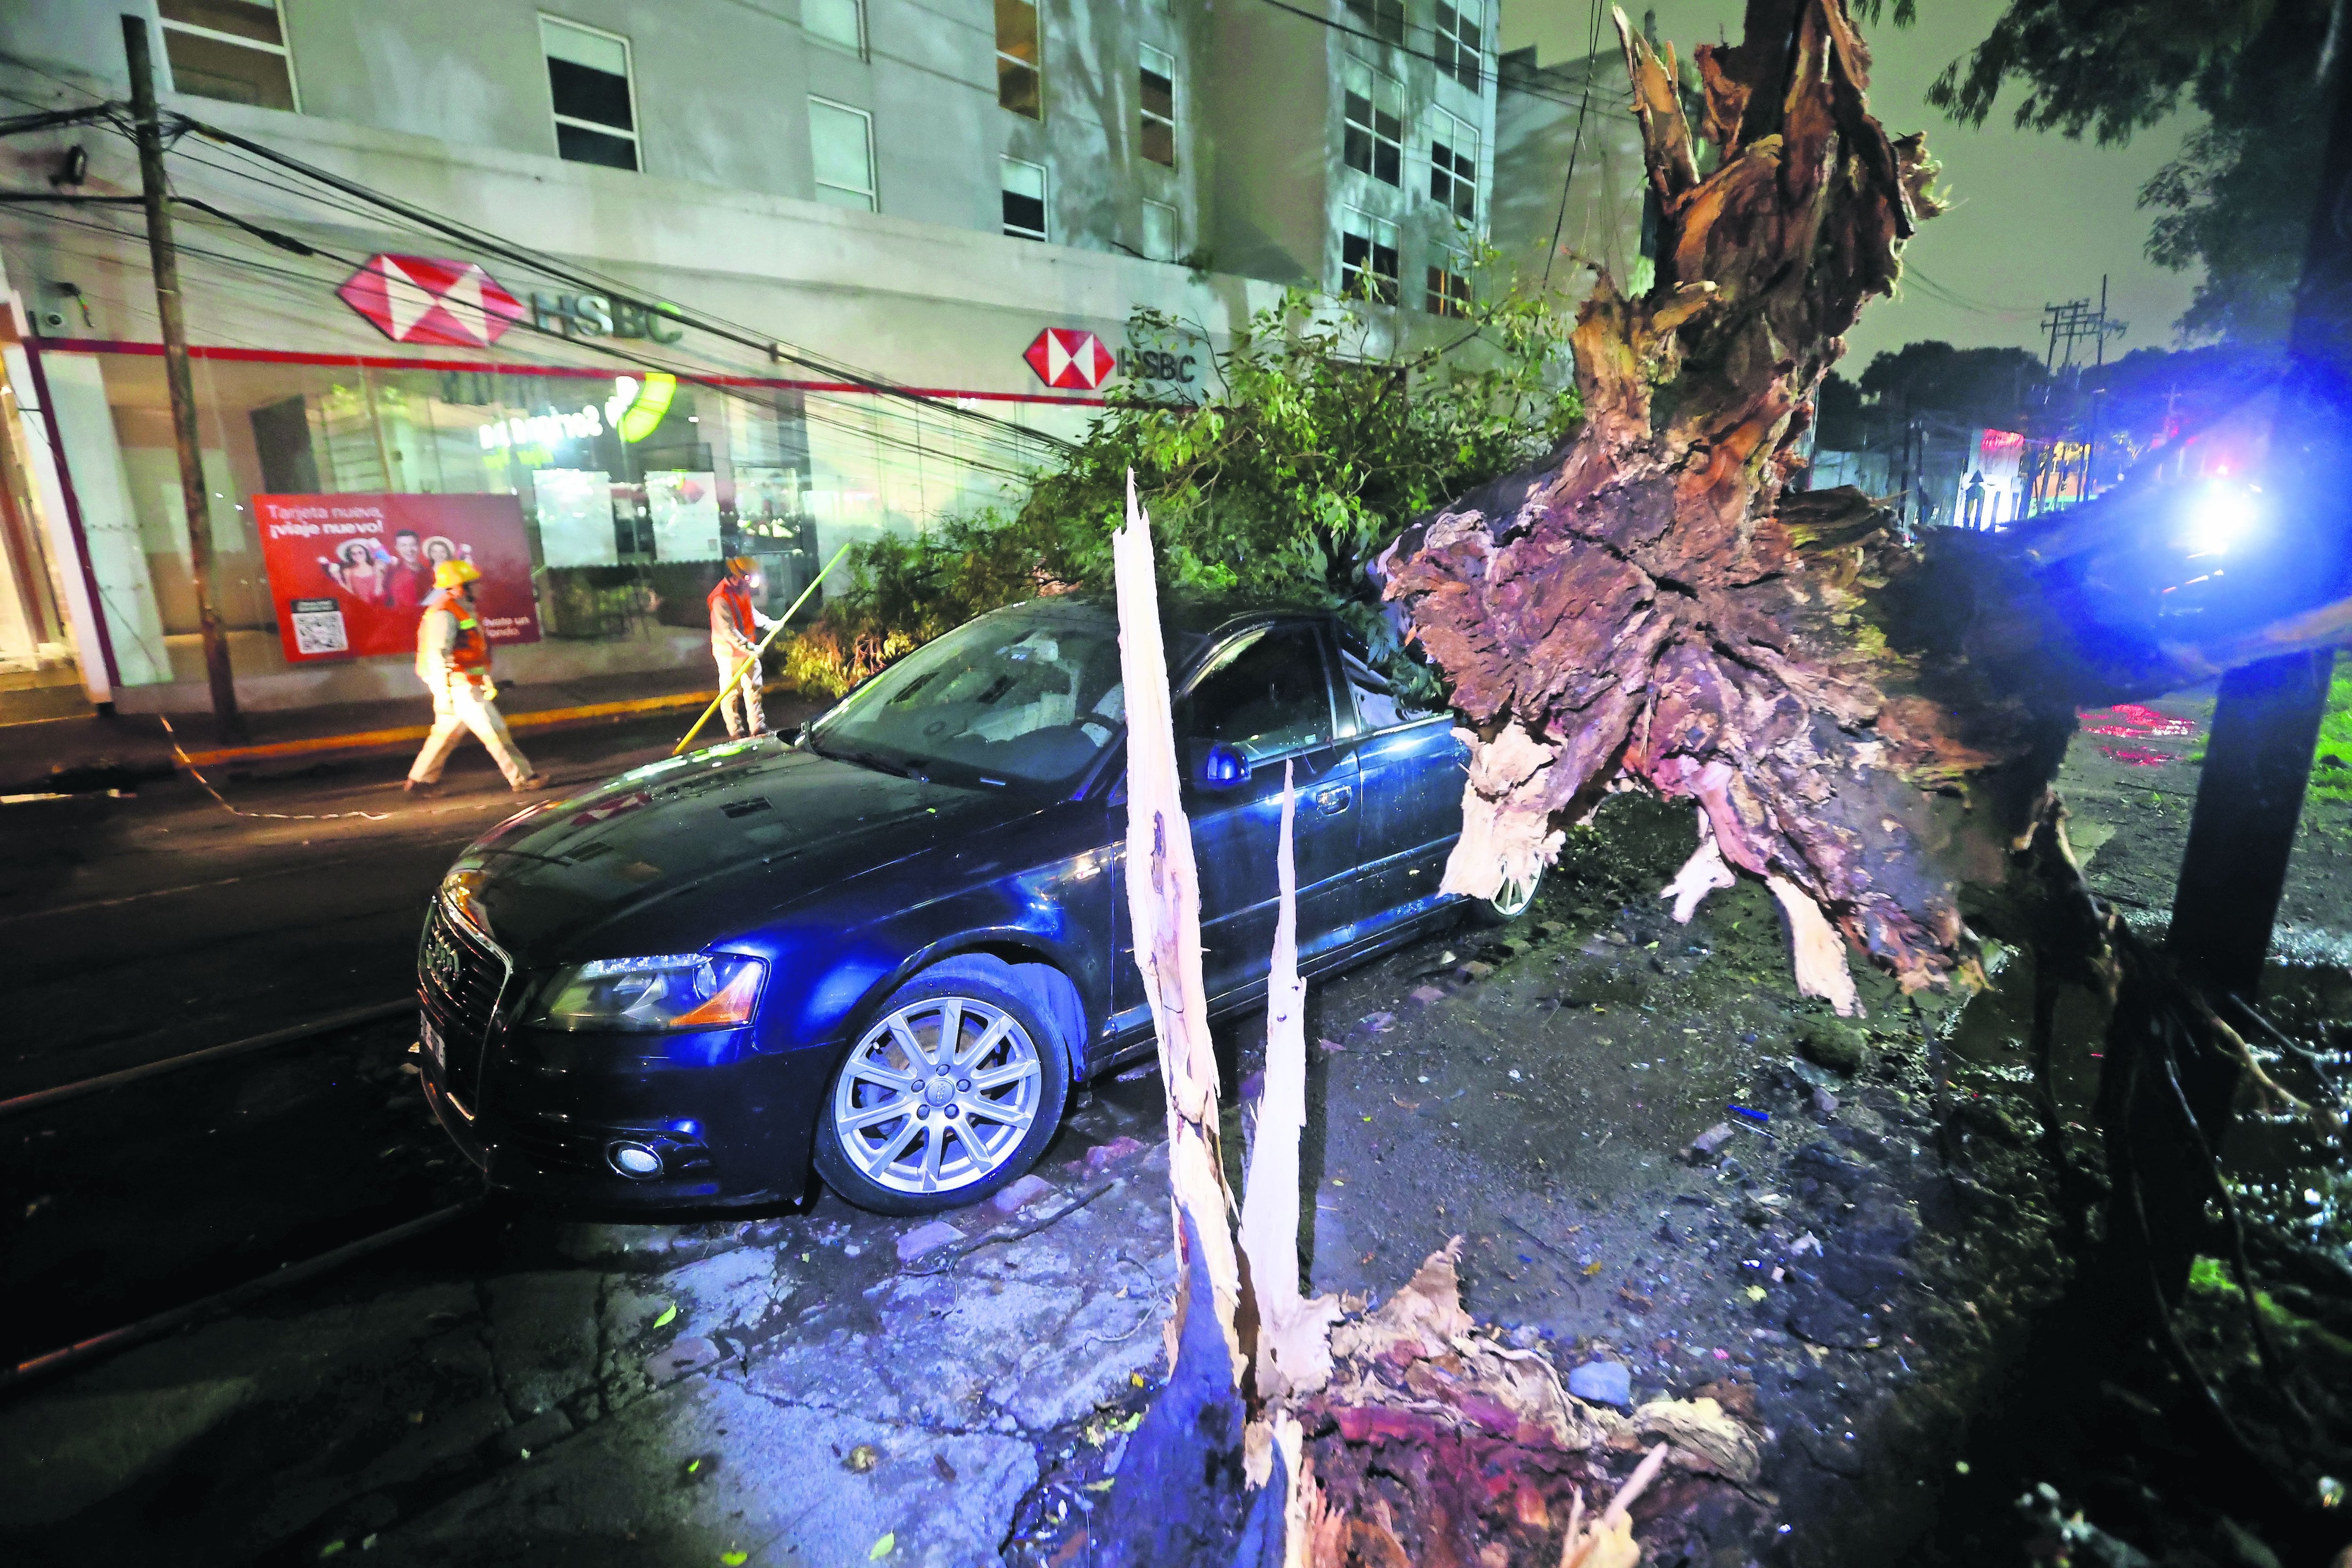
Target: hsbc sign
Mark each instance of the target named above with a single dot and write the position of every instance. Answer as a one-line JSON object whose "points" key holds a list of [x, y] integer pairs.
{"points": [[1070, 357], [419, 299]]}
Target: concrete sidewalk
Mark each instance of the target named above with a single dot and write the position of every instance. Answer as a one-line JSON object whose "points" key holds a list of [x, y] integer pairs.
{"points": [[95, 752]]}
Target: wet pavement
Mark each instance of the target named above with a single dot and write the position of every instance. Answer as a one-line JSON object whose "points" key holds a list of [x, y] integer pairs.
{"points": [[1662, 1161]]}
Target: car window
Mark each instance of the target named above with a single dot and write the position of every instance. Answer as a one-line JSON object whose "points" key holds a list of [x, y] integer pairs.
{"points": [[1264, 698], [1376, 701], [1010, 696]]}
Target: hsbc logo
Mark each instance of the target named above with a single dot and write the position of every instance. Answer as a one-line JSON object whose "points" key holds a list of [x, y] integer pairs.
{"points": [[417, 300], [1070, 357]]}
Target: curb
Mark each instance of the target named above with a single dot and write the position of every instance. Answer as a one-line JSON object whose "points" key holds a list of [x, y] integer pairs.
{"points": [[409, 734]]}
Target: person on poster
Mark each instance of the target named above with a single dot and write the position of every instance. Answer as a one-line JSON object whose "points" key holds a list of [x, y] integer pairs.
{"points": [[358, 570], [735, 627], [452, 659], [441, 547], [405, 579]]}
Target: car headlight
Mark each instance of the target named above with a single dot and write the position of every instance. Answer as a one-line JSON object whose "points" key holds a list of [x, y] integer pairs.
{"points": [[666, 991]]}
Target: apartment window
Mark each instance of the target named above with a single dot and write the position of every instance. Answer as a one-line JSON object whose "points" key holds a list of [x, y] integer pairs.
{"points": [[1159, 106], [232, 49], [1454, 167], [1160, 240], [1017, 58], [1382, 19], [1449, 286], [841, 22], [841, 149], [1368, 257], [595, 106], [1374, 138], [1457, 46], [1025, 200]]}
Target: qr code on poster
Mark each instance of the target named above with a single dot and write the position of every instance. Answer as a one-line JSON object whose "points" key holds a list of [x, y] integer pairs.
{"points": [[319, 626]]}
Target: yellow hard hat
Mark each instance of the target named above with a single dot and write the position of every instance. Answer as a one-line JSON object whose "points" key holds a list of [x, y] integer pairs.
{"points": [[455, 574], [741, 565]]}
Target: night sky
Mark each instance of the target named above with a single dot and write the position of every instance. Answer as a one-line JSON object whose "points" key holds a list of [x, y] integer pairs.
{"points": [[2035, 217]]}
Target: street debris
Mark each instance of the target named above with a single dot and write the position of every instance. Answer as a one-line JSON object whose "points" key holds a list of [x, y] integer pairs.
{"points": [[1602, 1383], [927, 1237]]}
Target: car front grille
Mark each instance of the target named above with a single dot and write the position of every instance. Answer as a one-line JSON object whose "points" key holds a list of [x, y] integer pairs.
{"points": [[460, 977]]}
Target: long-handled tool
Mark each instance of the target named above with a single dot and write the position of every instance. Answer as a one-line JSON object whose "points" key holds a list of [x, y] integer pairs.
{"points": [[752, 659]]}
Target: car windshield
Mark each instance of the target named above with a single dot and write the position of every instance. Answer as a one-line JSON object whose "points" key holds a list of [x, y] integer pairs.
{"points": [[1029, 695]]}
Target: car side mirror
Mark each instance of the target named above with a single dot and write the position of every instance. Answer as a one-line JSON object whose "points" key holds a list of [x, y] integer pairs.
{"points": [[1218, 766]]}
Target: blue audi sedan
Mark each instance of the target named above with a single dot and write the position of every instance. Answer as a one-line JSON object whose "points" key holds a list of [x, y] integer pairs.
{"points": [[890, 947]]}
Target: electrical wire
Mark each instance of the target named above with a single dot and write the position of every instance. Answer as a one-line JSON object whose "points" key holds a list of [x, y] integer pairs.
{"points": [[1019, 451], [907, 443], [1486, 73], [1592, 51], [588, 280]]}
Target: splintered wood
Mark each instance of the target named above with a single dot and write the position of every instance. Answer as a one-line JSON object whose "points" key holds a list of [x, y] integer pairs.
{"points": [[1294, 1348], [1341, 1402], [1163, 902]]}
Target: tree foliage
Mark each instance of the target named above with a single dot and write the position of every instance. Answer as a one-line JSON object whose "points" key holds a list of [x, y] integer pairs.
{"points": [[1311, 448], [2237, 203]]}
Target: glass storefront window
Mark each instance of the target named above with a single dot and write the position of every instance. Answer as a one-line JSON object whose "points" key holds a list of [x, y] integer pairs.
{"points": [[632, 486]]}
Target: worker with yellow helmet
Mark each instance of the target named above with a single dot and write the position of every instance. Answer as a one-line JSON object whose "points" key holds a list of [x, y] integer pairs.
{"points": [[736, 624], [452, 659]]}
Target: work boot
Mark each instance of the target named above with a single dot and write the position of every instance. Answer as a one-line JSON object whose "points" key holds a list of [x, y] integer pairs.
{"points": [[420, 787], [536, 781]]}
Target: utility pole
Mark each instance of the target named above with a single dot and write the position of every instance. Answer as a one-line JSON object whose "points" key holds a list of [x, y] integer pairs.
{"points": [[2266, 724], [164, 258]]}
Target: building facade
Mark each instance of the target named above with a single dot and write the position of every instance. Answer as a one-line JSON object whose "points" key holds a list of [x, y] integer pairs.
{"points": [[676, 281]]}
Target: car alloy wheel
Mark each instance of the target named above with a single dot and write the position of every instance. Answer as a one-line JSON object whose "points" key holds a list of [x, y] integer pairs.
{"points": [[1514, 899], [938, 1095]]}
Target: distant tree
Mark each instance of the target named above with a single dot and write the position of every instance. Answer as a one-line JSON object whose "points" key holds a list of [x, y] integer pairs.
{"points": [[1978, 386], [2237, 202], [2153, 392], [1838, 414]]}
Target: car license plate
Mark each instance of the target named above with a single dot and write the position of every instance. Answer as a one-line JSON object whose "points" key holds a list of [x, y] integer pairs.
{"points": [[432, 1045]]}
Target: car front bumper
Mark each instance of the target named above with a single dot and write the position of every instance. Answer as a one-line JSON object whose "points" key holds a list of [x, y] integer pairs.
{"points": [[726, 1133]]}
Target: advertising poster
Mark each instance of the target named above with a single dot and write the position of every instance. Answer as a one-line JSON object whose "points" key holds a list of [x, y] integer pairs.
{"points": [[350, 574], [575, 517], [683, 508]]}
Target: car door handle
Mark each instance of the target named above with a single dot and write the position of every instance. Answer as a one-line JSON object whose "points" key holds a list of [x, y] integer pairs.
{"points": [[1334, 800]]}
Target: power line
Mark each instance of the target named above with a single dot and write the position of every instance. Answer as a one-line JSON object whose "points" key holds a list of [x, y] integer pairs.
{"points": [[1485, 73], [587, 280], [712, 381], [1592, 51]]}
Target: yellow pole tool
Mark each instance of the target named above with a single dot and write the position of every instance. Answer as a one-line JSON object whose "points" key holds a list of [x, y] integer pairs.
{"points": [[752, 659]]}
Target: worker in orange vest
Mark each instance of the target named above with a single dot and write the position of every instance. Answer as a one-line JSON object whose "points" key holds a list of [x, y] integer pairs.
{"points": [[452, 659], [735, 627]]}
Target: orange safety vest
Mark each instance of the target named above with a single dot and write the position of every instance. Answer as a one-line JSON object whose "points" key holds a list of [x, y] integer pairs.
{"points": [[469, 649], [730, 611]]}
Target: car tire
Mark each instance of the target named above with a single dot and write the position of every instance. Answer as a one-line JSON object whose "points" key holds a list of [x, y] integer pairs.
{"points": [[1509, 905], [942, 1150]]}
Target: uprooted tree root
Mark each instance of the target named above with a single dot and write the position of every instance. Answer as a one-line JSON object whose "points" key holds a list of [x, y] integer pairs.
{"points": [[1439, 1446]]}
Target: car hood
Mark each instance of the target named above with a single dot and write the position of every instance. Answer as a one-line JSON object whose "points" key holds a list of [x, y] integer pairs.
{"points": [[696, 849]]}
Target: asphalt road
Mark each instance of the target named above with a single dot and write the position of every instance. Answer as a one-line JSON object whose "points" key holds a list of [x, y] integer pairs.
{"points": [[146, 925]]}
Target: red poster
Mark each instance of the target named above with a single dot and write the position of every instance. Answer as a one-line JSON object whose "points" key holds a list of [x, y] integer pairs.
{"points": [[350, 574]]}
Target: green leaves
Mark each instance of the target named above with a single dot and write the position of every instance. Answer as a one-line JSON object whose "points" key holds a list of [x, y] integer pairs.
{"points": [[1310, 450], [668, 1315], [882, 1548]]}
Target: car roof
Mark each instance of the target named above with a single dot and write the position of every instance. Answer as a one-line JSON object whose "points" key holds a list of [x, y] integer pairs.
{"points": [[1200, 615]]}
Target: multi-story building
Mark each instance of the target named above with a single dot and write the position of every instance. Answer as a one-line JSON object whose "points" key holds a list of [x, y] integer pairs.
{"points": [[887, 248]]}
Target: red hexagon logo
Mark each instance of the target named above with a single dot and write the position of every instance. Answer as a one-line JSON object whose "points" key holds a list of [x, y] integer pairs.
{"points": [[416, 299], [1071, 357]]}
